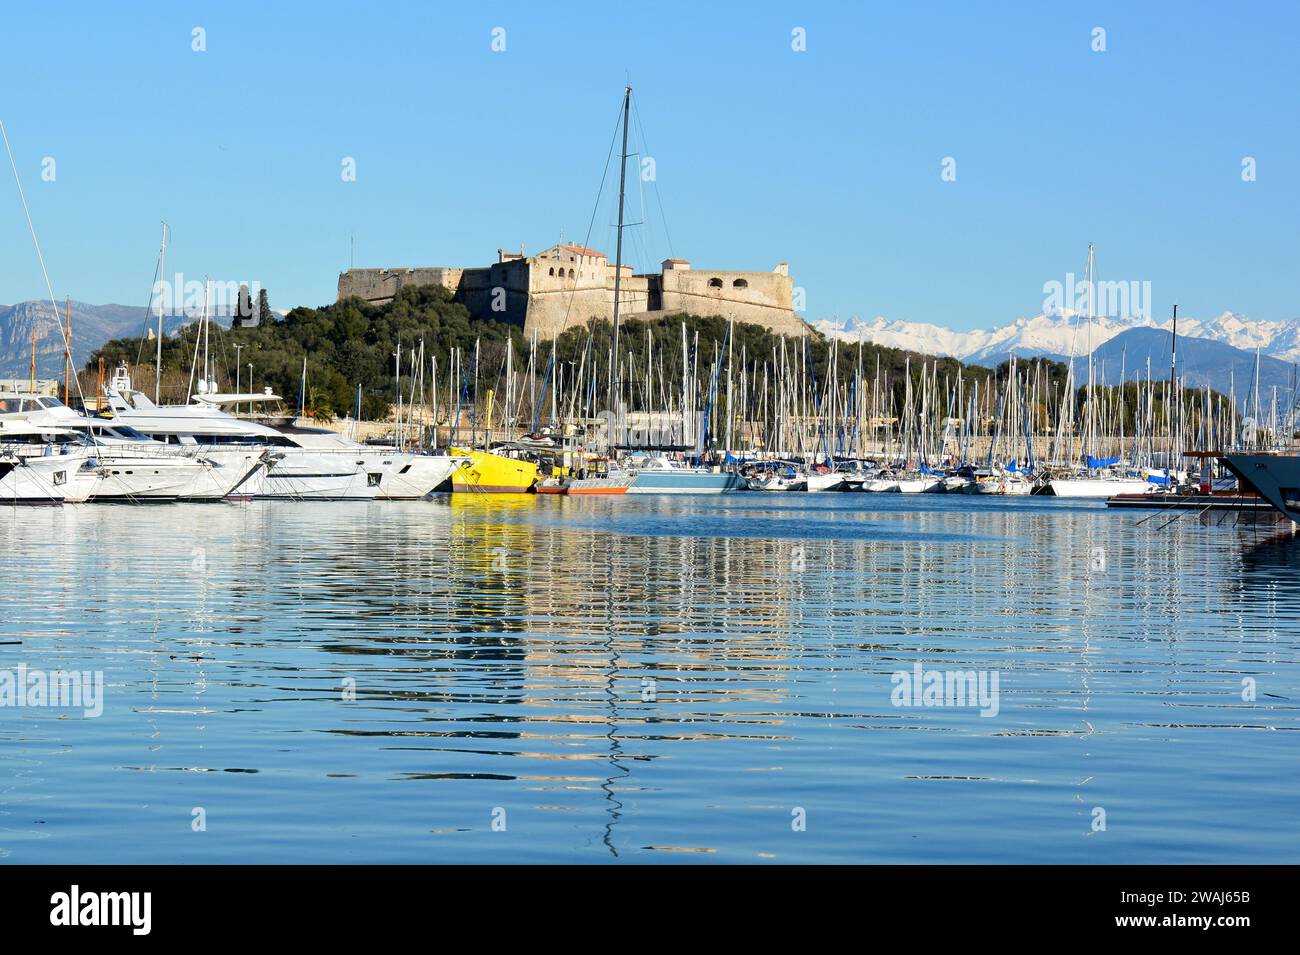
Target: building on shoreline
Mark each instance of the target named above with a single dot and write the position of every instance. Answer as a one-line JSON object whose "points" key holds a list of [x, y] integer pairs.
{"points": [[566, 285]]}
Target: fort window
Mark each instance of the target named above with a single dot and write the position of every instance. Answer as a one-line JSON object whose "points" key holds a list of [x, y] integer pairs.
{"points": [[715, 283], [570, 273], [740, 283], [552, 271]]}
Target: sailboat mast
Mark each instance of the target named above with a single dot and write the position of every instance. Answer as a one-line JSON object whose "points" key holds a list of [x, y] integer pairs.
{"points": [[67, 358], [1173, 384], [1088, 426], [162, 275], [618, 262]]}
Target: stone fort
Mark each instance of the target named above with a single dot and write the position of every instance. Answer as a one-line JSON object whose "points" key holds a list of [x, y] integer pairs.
{"points": [[566, 285]]}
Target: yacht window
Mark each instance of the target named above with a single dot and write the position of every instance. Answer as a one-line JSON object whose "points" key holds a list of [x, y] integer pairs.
{"points": [[125, 431]]}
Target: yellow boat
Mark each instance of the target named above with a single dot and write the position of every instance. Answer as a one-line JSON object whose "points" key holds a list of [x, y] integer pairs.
{"points": [[488, 473]]}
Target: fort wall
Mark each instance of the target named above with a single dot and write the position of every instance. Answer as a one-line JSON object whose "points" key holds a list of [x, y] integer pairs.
{"points": [[566, 285]]}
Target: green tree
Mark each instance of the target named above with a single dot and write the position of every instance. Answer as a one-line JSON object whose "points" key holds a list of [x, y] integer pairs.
{"points": [[263, 307]]}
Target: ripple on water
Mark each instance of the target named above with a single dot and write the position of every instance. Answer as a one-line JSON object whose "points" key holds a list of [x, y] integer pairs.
{"points": [[655, 679]]}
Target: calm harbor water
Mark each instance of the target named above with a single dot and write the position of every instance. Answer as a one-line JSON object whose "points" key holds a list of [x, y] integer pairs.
{"points": [[542, 679]]}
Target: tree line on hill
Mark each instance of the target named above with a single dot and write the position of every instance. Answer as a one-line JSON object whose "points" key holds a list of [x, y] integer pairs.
{"points": [[352, 344]]}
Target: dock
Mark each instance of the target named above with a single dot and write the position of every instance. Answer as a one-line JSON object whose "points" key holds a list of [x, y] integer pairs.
{"points": [[1231, 501]]}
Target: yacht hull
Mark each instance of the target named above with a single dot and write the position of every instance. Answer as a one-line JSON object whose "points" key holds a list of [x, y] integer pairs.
{"points": [[686, 482], [417, 475], [1095, 487], [312, 477], [45, 479], [487, 473], [1274, 477], [825, 482]]}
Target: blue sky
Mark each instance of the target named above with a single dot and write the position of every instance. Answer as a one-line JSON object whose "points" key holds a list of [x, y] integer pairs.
{"points": [[829, 158]]}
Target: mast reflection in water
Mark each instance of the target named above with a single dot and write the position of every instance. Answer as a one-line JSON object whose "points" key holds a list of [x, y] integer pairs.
{"points": [[538, 679]]}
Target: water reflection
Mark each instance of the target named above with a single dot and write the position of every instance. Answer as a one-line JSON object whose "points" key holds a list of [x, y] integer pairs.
{"points": [[624, 677]]}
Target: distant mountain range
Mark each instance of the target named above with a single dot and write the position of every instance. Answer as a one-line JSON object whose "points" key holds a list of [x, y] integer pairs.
{"points": [[1201, 362], [1219, 352], [92, 325], [1061, 335]]}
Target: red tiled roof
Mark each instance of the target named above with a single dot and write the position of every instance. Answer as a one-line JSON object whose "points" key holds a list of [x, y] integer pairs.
{"points": [[582, 250]]}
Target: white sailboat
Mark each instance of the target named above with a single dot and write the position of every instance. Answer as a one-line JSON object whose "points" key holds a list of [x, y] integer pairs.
{"points": [[1093, 480], [999, 481]]}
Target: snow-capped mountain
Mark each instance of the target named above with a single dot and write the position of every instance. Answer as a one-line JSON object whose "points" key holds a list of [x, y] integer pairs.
{"points": [[1062, 335], [1278, 339]]}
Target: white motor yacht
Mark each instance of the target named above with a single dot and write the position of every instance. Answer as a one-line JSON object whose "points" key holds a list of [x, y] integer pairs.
{"points": [[133, 467], [308, 463], [44, 465]]}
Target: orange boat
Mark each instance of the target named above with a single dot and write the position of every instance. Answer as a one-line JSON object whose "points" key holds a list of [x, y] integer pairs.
{"points": [[604, 484]]}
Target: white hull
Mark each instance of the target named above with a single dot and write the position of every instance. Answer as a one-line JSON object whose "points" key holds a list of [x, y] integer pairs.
{"points": [[138, 478], [778, 484], [825, 482], [416, 475], [913, 485], [126, 473], [1097, 487], [1003, 487], [321, 476], [237, 473], [356, 474], [44, 479]]}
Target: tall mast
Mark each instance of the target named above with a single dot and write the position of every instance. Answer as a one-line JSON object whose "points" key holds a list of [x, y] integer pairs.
{"points": [[618, 265], [1089, 424], [162, 275], [1173, 386], [67, 358]]}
